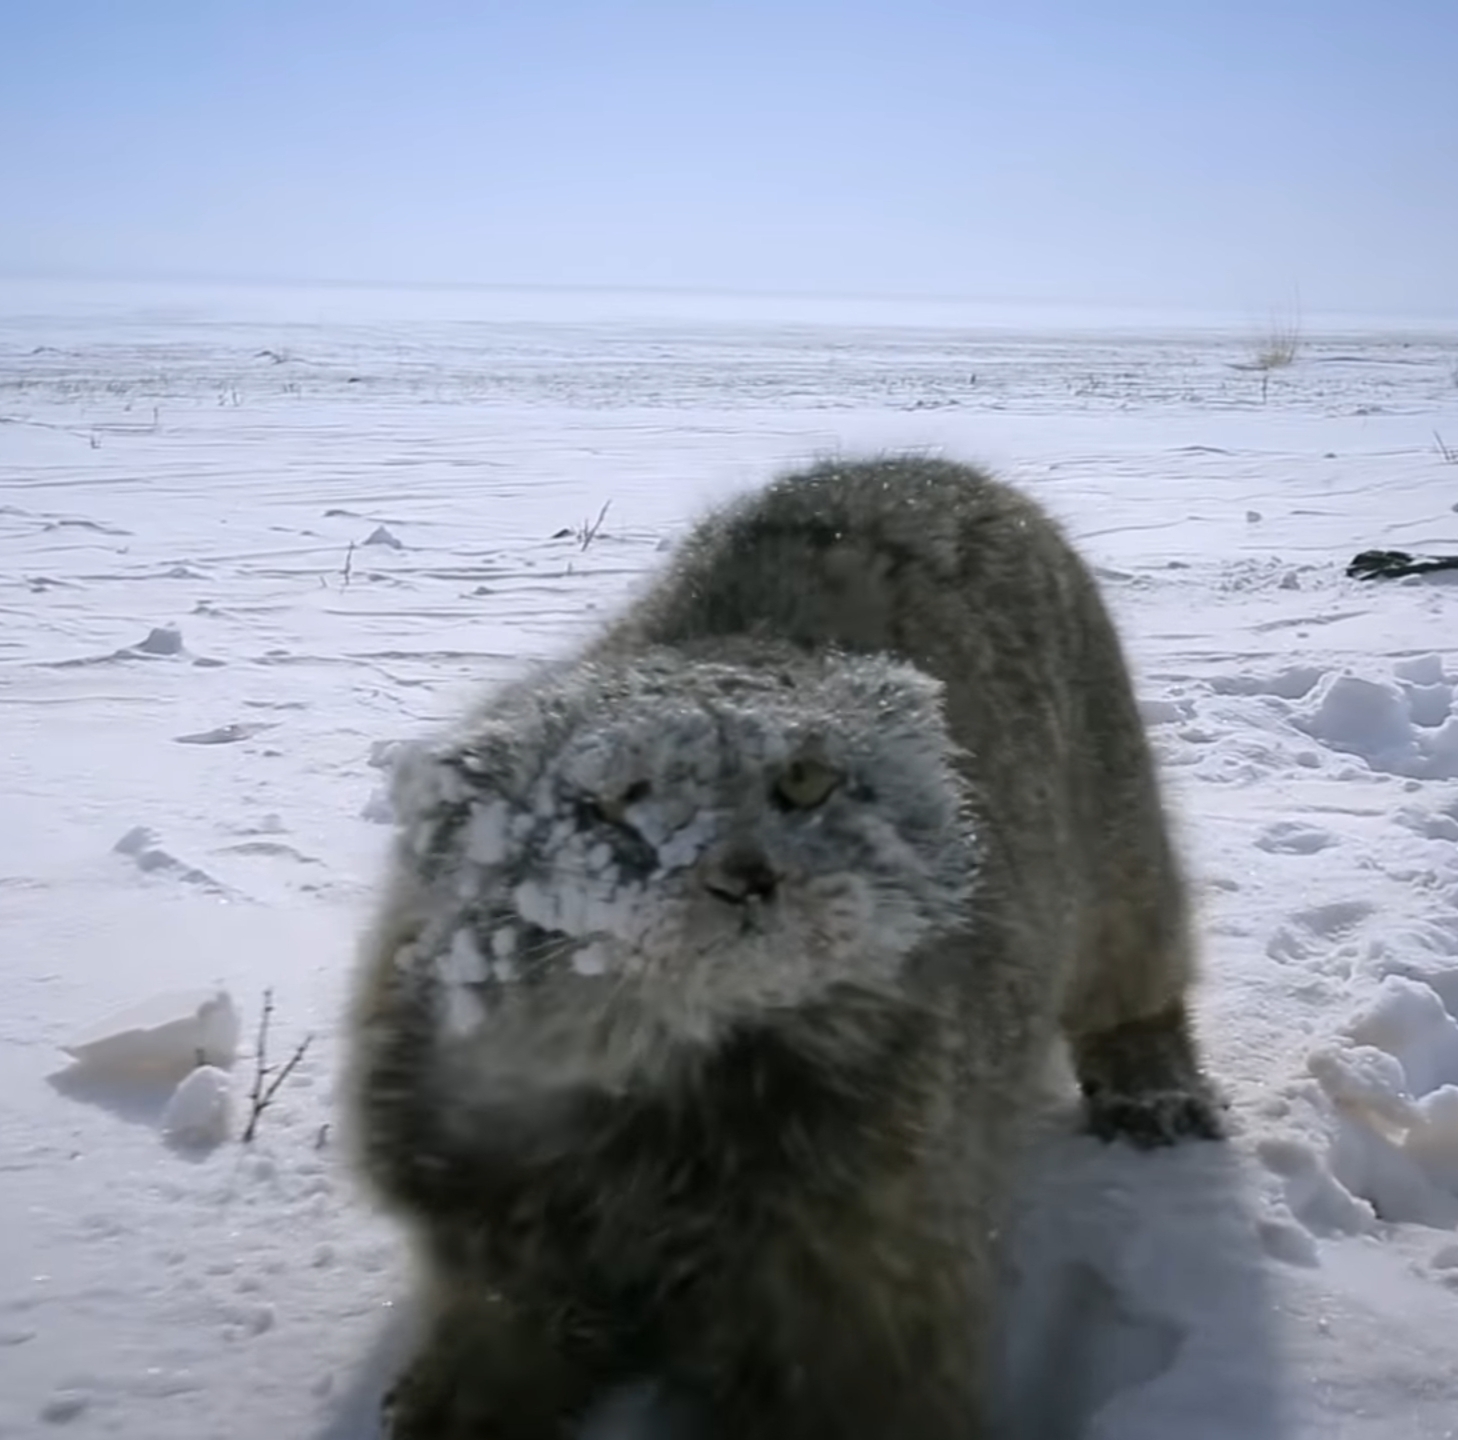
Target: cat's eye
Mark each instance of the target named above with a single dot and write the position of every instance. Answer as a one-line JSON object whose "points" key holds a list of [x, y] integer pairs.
{"points": [[613, 809], [805, 783]]}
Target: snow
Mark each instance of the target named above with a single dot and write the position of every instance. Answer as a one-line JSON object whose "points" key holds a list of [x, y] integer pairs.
{"points": [[1384, 723], [171, 1032], [184, 557], [200, 1111]]}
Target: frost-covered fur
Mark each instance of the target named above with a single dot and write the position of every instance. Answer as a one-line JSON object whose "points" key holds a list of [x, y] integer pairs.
{"points": [[562, 840], [718, 964]]}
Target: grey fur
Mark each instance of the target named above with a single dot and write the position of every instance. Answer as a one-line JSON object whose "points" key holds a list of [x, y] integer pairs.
{"points": [[673, 1078]]}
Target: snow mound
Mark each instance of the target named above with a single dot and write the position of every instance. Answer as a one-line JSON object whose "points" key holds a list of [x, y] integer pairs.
{"points": [[1294, 682], [160, 640], [1420, 669], [170, 1033], [1393, 1085], [229, 734], [1317, 1199], [1165, 712], [1410, 1022], [1400, 730], [200, 1111], [1136, 1306]]}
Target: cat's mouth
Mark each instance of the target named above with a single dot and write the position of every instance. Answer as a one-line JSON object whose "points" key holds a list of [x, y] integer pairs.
{"points": [[697, 929], [752, 921]]}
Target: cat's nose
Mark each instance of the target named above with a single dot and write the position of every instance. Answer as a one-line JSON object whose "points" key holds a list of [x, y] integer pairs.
{"points": [[738, 874]]}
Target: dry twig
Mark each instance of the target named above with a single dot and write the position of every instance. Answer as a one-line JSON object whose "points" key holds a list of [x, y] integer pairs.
{"points": [[265, 1089], [588, 532]]}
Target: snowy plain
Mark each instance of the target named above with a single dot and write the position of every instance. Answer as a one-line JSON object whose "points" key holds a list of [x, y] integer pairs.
{"points": [[249, 538]]}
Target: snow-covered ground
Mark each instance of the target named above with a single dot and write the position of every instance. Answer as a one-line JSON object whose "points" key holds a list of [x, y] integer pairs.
{"points": [[246, 541]]}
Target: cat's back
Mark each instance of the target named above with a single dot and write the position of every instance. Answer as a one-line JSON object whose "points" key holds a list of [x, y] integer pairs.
{"points": [[931, 561], [971, 581]]}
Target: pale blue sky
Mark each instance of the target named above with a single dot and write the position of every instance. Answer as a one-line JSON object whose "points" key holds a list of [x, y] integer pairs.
{"points": [[1210, 153]]}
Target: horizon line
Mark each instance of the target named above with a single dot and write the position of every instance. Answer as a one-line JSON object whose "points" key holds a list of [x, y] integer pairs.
{"points": [[1229, 313]]}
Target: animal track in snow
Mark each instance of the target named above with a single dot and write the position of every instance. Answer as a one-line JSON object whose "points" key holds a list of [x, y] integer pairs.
{"points": [[1293, 683], [1295, 837], [1404, 724], [1431, 825], [1308, 936], [1335, 919]]}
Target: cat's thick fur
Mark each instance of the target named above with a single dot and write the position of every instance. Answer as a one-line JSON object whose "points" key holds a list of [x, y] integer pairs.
{"points": [[719, 964]]}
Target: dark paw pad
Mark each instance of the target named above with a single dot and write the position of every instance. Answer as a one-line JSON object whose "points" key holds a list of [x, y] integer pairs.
{"points": [[1148, 1121]]}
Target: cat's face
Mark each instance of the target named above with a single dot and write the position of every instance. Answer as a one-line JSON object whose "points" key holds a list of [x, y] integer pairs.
{"points": [[682, 844]]}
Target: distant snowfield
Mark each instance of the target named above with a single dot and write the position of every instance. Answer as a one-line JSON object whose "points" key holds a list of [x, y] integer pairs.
{"points": [[242, 549]]}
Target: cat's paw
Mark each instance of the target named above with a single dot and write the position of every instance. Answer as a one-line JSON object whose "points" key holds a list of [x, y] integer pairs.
{"points": [[1155, 1118]]}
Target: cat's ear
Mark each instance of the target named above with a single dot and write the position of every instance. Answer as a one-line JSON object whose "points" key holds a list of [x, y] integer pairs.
{"points": [[412, 782], [428, 778]]}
